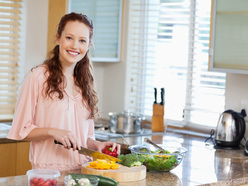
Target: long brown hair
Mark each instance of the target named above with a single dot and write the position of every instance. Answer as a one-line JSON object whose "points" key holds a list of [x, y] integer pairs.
{"points": [[83, 71]]}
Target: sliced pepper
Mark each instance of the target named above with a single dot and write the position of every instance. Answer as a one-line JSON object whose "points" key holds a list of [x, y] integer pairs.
{"points": [[103, 164]]}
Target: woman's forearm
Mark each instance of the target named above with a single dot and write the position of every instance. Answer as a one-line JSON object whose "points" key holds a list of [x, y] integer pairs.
{"points": [[39, 134], [92, 144]]}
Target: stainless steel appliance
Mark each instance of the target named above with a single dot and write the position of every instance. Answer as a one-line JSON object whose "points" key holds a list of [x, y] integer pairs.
{"points": [[230, 129], [125, 122]]}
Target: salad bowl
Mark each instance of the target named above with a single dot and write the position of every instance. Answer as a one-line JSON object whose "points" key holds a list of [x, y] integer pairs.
{"points": [[158, 160]]}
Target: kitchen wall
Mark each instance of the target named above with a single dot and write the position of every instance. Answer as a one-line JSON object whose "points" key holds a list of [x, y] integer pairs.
{"points": [[110, 77]]}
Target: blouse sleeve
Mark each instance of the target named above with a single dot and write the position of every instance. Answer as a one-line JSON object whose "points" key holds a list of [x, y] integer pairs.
{"points": [[25, 108], [91, 131]]}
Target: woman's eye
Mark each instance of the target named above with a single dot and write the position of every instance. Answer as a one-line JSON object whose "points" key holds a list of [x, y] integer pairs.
{"points": [[68, 37], [83, 41]]}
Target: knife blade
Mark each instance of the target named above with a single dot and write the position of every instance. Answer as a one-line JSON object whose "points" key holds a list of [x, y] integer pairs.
{"points": [[92, 153]]}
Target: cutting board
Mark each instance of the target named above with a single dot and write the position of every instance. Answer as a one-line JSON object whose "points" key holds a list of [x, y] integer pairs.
{"points": [[122, 174]]}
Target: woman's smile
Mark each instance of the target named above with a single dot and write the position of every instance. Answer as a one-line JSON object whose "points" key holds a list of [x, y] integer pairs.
{"points": [[73, 53]]}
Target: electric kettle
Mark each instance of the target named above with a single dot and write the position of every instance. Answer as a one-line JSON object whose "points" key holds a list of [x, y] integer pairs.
{"points": [[230, 129]]}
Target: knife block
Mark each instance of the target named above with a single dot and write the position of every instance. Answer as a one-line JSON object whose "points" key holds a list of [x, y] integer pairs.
{"points": [[158, 118]]}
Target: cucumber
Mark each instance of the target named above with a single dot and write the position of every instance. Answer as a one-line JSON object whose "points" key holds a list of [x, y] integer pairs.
{"points": [[106, 181], [103, 181]]}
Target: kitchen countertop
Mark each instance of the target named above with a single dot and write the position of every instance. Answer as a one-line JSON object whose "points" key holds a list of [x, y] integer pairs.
{"points": [[202, 165]]}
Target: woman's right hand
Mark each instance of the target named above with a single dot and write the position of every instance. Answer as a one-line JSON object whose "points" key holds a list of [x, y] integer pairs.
{"points": [[66, 138]]}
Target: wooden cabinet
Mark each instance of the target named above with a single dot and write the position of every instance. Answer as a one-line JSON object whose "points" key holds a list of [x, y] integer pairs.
{"points": [[229, 36], [14, 158], [7, 159], [22, 158]]}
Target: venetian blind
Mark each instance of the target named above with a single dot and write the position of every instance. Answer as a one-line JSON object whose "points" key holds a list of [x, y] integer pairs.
{"points": [[10, 17], [168, 47], [106, 17]]}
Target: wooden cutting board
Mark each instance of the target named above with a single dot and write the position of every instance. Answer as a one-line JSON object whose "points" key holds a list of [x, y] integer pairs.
{"points": [[122, 174]]}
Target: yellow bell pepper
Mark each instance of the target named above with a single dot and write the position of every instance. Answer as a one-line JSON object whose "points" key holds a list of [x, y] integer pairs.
{"points": [[103, 164]]}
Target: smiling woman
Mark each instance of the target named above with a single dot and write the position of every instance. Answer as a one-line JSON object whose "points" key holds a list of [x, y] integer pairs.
{"points": [[58, 101]]}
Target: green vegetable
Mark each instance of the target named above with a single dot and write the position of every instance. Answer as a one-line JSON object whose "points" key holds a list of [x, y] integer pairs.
{"points": [[158, 151], [131, 160], [143, 150], [103, 181], [106, 181], [156, 163]]}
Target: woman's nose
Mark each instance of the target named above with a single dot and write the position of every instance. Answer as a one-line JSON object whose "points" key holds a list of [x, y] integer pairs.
{"points": [[74, 44]]}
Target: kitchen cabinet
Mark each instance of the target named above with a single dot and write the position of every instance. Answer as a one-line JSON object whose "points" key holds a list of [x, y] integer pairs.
{"points": [[7, 159], [229, 36], [14, 158], [22, 158]]}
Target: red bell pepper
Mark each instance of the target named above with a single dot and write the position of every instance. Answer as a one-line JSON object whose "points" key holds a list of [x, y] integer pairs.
{"points": [[108, 150]]}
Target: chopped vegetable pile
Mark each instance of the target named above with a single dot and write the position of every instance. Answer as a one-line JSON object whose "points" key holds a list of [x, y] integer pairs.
{"points": [[79, 182], [131, 160], [162, 161], [103, 164], [102, 180]]}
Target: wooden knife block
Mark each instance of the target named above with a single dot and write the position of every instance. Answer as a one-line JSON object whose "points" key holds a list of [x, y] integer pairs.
{"points": [[158, 118]]}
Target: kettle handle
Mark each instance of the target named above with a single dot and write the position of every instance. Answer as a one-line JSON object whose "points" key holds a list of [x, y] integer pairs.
{"points": [[239, 122]]}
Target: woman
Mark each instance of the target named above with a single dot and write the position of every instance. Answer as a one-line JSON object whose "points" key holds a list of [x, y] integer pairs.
{"points": [[57, 101]]}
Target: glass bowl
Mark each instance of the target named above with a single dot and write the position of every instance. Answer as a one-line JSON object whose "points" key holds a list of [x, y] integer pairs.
{"points": [[92, 179], [156, 161], [43, 177]]}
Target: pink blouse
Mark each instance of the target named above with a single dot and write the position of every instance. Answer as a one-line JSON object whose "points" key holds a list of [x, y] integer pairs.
{"points": [[34, 110]]}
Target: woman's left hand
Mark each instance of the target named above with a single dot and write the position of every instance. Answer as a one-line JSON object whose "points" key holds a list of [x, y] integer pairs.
{"points": [[103, 145], [100, 146]]}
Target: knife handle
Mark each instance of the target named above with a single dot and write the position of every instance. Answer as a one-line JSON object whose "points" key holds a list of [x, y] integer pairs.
{"points": [[155, 95], [57, 142], [162, 96]]}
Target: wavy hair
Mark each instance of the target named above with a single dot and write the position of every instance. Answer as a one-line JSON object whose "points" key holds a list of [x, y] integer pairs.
{"points": [[83, 71]]}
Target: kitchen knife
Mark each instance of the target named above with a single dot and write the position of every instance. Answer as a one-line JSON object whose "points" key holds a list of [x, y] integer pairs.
{"points": [[92, 153], [162, 96], [155, 95]]}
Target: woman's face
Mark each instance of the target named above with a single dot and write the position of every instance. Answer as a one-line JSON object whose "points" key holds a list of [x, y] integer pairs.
{"points": [[73, 43]]}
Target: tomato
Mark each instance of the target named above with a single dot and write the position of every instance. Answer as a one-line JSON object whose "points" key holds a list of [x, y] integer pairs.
{"points": [[54, 182], [40, 182], [108, 150], [34, 180]]}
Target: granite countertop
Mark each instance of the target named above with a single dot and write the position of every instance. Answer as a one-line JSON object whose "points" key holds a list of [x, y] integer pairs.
{"points": [[202, 165]]}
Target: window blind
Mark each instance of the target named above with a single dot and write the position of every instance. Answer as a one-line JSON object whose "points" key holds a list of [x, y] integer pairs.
{"points": [[106, 16], [10, 17], [168, 48]]}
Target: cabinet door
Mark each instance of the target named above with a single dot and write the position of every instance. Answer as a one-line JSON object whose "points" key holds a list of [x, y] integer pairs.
{"points": [[229, 36], [7, 159], [22, 158]]}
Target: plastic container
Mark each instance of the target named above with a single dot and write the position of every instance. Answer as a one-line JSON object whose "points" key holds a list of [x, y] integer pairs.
{"points": [[43, 176], [92, 179]]}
